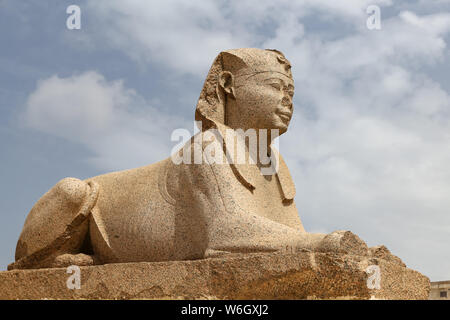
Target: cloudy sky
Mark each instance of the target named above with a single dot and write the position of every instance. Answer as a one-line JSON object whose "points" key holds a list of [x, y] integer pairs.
{"points": [[368, 146]]}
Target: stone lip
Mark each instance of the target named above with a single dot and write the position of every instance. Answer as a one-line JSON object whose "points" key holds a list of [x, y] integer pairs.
{"points": [[304, 275]]}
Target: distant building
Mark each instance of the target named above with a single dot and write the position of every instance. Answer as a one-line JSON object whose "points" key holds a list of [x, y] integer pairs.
{"points": [[440, 290]]}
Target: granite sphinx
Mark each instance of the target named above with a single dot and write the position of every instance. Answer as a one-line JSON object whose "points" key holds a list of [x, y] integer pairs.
{"points": [[187, 210]]}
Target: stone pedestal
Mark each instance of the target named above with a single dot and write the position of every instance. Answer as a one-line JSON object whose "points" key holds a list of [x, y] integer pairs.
{"points": [[303, 275]]}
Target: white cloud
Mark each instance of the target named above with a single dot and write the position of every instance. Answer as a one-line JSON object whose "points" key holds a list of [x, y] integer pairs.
{"points": [[115, 123]]}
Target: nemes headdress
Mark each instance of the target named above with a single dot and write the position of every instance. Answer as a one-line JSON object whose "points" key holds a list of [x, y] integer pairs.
{"points": [[240, 62], [210, 111]]}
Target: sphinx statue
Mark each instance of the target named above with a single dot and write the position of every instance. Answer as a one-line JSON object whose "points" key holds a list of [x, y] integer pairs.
{"points": [[184, 210]]}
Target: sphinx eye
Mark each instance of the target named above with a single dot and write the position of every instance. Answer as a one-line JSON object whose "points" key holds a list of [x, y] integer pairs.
{"points": [[276, 85], [290, 90]]}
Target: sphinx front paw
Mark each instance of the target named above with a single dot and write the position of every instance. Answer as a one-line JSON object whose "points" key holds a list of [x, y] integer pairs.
{"points": [[343, 242], [80, 259]]}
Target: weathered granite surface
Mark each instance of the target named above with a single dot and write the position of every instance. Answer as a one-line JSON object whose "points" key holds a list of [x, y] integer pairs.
{"points": [[227, 190], [304, 275]]}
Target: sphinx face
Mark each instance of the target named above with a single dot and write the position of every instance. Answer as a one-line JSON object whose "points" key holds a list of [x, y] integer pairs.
{"points": [[264, 100]]}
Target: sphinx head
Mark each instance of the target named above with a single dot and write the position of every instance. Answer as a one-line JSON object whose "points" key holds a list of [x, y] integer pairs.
{"points": [[248, 89]]}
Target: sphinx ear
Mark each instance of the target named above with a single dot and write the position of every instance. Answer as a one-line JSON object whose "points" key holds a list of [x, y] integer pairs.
{"points": [[226, 82]]}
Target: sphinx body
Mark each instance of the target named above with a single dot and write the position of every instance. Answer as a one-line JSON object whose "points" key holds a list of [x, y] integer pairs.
{"points": [[165, 211]]}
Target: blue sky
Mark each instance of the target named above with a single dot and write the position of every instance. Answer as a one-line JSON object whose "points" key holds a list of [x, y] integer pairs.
{"points": [[368, 146]]}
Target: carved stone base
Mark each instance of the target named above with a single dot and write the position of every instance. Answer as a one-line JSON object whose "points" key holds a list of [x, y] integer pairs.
{"points": [[303, 275]]}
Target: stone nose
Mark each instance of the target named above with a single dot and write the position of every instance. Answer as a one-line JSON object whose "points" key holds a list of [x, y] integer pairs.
{"points": [[287, 102]]}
